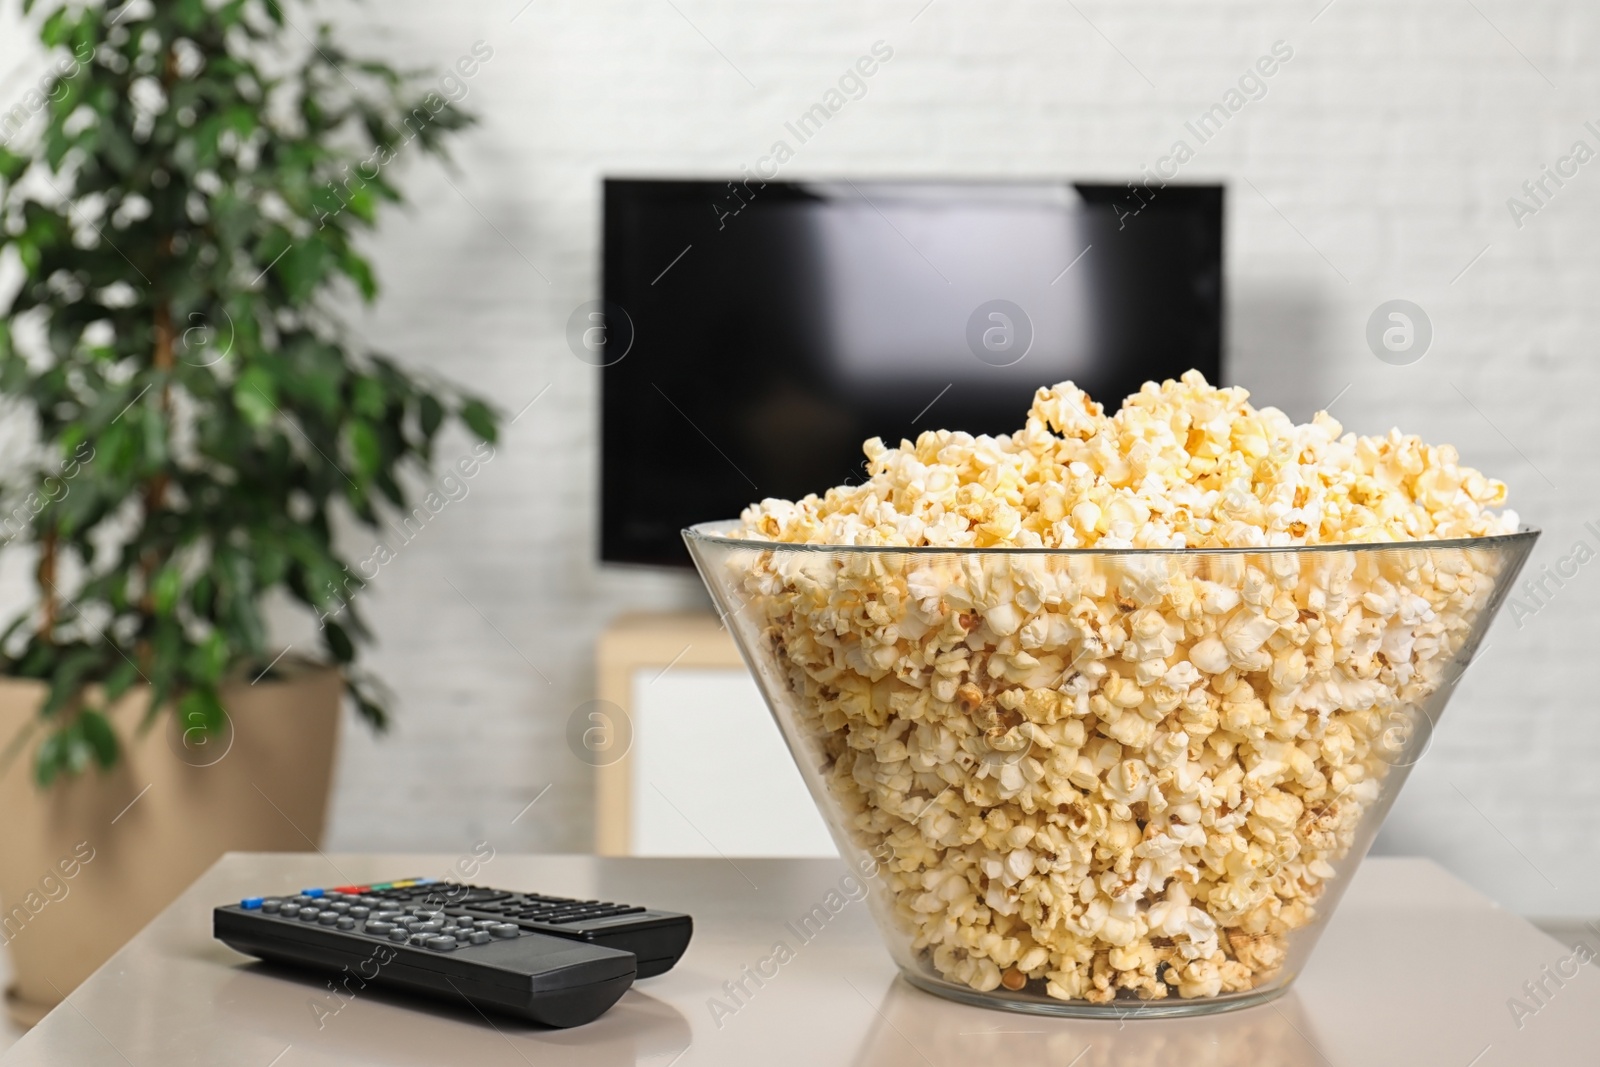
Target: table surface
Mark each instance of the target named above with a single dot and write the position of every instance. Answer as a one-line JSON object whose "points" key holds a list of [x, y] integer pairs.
{"points": [[1415, 969]]}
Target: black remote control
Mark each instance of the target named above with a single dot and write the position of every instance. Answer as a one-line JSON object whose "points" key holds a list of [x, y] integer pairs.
{"points": [[656, 938], [552, 960]]}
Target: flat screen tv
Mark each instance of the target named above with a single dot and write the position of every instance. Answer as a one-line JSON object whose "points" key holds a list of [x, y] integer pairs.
{"points": [[752, 336]]}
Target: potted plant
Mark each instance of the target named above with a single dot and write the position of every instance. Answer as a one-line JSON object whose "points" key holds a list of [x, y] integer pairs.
{"points": [[180, 196]]}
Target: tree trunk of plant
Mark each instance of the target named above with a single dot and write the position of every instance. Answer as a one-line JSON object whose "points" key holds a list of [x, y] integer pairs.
{"points": [[155, 490]]}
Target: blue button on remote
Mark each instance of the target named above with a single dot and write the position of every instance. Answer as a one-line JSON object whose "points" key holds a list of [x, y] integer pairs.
{"points": [[250, 903], [311, 892]]}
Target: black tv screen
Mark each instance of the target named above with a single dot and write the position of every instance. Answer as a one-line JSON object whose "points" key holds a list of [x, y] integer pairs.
{"points": [[752, 336]]}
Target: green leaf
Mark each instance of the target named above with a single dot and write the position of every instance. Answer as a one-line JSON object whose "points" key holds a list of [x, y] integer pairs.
{"points": [[255, 395], [274, 246], [78, 750], [201, 710], [302, 268], [241, 120], [359, 271], [271, 563], [476, 414], [165, 589], [117, 147], [12, 164], [364, 446], [190, 14], [362, 204], [55, 29], [202, 596], [50, 759], [68, 679], [120, 681], [338, 641], [97, 733], [369, 697], [368, 398], [431, 415], [209, 658], [390, 489], [28, 252]]}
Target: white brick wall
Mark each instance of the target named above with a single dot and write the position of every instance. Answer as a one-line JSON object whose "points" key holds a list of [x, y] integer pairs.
{"points": [[1390, 143]]}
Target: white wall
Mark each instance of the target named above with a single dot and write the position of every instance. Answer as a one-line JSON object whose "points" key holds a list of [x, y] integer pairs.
{"points": [[1377, 166]]}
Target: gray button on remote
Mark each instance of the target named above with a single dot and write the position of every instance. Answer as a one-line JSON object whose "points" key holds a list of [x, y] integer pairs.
{"points": [[441, 944], [359, 912], [379, 927], [270, 906], [328, 918], [479, 937], [398, 934], [309, 915], [503, 930], [345, 923]]}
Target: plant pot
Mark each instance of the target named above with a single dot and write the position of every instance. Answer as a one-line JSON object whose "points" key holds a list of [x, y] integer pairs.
{"points": [[87, 862]]}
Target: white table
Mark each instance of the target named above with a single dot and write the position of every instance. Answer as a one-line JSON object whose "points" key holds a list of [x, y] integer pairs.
{"points": [[1416, 970]]}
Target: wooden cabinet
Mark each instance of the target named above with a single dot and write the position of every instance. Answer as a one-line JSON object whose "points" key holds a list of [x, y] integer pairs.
{"points": [[706, 772]]}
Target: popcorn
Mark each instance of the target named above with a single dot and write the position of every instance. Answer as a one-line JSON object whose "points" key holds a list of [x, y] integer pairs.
{"points": [[1092, 776]]}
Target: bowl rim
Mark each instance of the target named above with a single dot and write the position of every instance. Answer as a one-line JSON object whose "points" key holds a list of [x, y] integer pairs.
{"points": [[704, 533]]}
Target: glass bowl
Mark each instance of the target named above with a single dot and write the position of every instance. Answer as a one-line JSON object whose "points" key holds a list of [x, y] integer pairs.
{"points": [[1081, 782]]}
